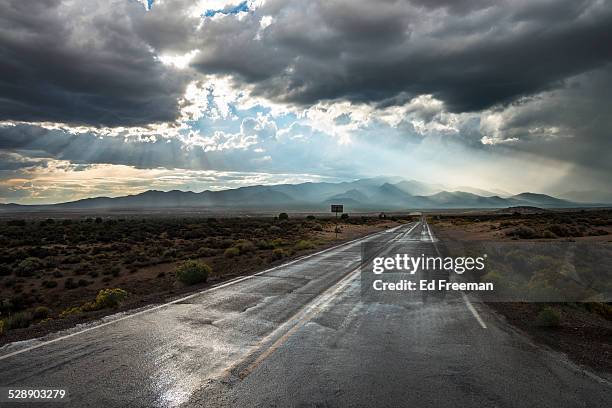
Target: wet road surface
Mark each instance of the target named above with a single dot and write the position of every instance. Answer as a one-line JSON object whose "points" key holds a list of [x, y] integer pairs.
{"points": [[302, 335]]}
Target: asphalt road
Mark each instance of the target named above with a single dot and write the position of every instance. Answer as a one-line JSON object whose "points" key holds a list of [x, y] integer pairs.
{"points": [[302, 335]]}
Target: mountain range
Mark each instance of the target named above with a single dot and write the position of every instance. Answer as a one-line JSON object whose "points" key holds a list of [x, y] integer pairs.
{"points": [[379, 193]]}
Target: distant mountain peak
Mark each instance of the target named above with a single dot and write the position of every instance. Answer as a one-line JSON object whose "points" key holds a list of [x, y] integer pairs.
{"points": [[372, 194]]}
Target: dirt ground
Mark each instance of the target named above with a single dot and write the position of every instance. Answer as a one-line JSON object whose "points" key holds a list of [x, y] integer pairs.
{"points": [[584, 336], [578, 225], [584, 330]]}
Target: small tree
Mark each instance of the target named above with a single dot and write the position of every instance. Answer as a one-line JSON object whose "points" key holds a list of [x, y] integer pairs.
{"points": [[283, 216], [344, 216]]}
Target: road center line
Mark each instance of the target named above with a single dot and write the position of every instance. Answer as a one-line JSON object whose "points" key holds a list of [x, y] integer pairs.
{"points": [[467, 302], [301, 318], [299, 321], [411, 229]]}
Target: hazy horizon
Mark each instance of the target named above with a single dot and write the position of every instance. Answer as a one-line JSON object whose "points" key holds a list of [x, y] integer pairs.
{"points": [[368, 191], [384, 179]]}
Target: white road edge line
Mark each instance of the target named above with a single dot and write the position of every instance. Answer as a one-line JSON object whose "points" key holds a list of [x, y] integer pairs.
{"points": [[469, 305], [218, 286], [473, 310]]}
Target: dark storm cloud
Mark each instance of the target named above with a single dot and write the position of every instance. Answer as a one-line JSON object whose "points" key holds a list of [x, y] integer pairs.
{"points": [[94, 62], [81, 63], [470, 54], [456, 6], [570, 124]]}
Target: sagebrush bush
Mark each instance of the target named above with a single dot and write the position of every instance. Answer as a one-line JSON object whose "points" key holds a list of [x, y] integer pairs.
{"points": [[231, 252], [548, 317], [264, 244], [561, 230], [41, 312], [277, 242], [18, 320], [191, 272], [74, 310], [109, 298], [245, 246], [524, 232], [28, 267], [304, 244], [283, 216], [317, 227], [279, 253]]}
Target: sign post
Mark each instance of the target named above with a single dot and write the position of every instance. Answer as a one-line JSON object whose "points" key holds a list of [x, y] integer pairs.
{"points": [[337, 208]]}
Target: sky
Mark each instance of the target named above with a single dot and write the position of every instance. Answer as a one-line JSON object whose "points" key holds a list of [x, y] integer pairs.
{"points": [[115, 97]]}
